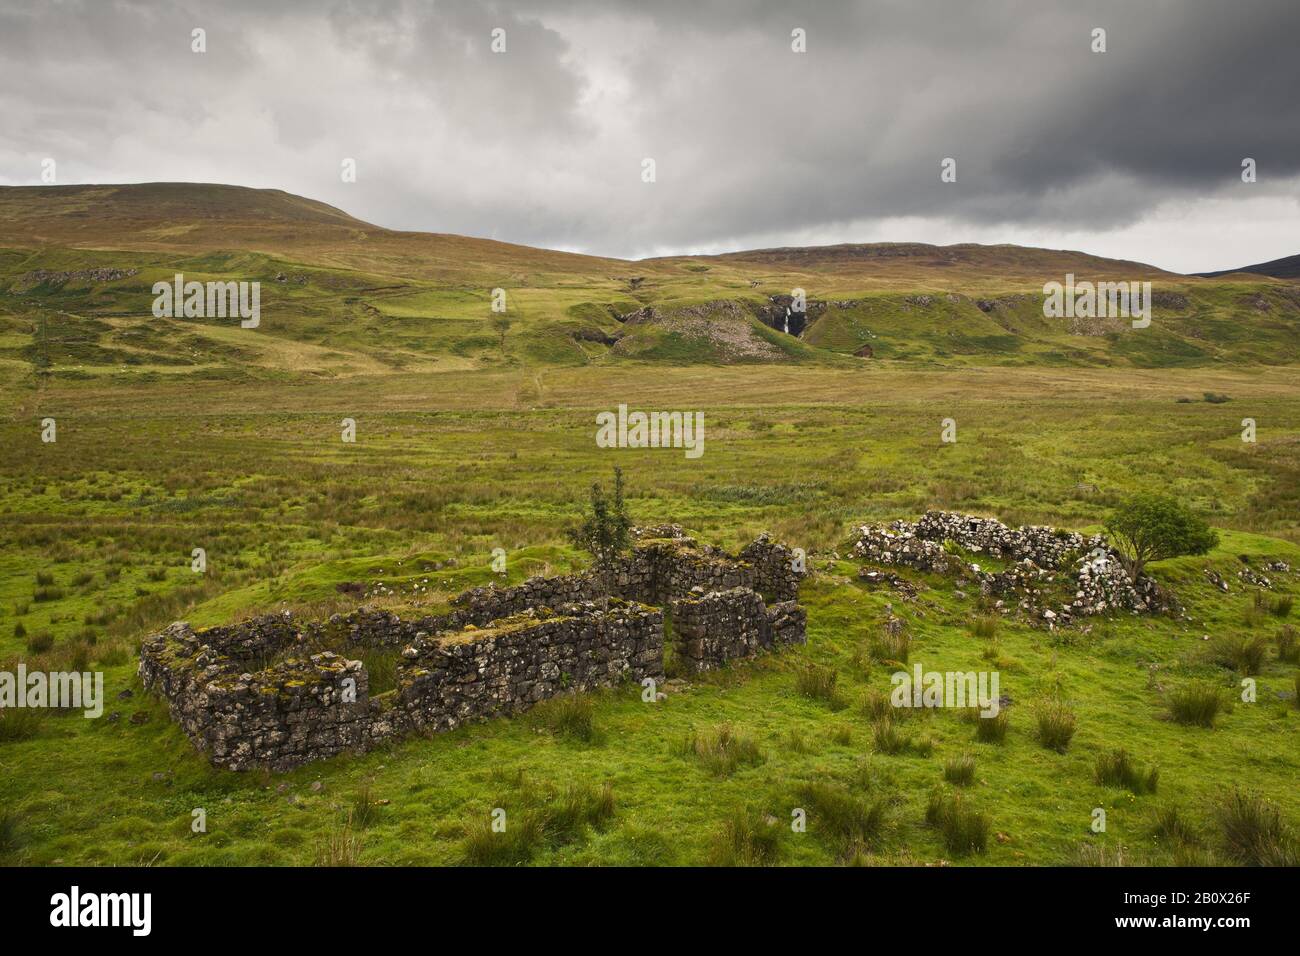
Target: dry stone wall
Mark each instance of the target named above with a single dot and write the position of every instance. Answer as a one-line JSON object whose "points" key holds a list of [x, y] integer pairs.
{"points": [[713, 629], [1056, 575], [263, 693], [448, 679]]}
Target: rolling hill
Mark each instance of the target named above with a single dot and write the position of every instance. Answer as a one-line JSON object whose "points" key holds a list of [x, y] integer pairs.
{"points": [[1284, 268], [343, 297]]}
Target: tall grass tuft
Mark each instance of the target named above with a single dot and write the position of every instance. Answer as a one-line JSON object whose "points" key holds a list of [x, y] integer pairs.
{"points": [[536, 817], [40, 643], [1098, 854], [888, 739], [985, 626], [513, 846], [960, 770], [1195, 703], [365, 809], [877, 706], [19, 723], [1288, 644], [964, 830], [851, 823], [887, 645], [1117, 769], [1056, 725], [1244, 653], [1173, 826], [746, 839], [819, 683], [339, 847], [11, 836], [722, 749], [1252, 831], [570, 715], [988, 730]]}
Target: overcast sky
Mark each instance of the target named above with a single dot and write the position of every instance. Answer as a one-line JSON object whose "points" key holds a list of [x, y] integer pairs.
{"points": [[1134, 153]]}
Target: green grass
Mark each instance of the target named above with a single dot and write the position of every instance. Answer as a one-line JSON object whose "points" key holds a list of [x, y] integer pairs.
{"points": [[179, 435]]}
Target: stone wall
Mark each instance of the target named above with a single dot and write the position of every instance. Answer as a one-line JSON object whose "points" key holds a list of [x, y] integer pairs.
{"points": [[267, 693], [709, 630], [448, 679], [310, 707], [1045, 560], [283, 715]]}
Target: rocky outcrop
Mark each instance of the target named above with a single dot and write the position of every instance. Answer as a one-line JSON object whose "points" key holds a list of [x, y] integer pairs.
{"points": [[781, 314]]}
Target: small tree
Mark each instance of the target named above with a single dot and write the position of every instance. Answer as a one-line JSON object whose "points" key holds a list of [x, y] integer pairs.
{"points": [[606, 532], [1153, 527]]}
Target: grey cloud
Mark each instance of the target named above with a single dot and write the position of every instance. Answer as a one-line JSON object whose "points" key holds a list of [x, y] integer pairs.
{"points": [[543, 144]]}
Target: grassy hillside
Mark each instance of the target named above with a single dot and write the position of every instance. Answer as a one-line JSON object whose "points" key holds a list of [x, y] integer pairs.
{"points": [[343, 298]]}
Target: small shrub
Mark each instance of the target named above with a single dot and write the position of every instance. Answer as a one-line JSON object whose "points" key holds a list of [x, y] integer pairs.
{"points": [[47, 594], [960, 770], [818, 683], [570, 715], [722, 750], [1196, 703], [985, 626], [44, 579], [746, 839], [40, 643], [1117, 769], [1245, 654], [1252, 831], [964, 830], [1281, 606], [1056, 725], [19, 630]]}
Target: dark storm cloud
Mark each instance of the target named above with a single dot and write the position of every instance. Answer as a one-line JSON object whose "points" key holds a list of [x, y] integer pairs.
{"points": [[544, 143]]}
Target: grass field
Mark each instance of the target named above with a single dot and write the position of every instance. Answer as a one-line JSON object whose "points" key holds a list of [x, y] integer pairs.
{"points": [[463, 446], [286, 511]]}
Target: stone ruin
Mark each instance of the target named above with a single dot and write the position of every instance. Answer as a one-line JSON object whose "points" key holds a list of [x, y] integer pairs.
{"points": [[1045, 562], [254, 694]]}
